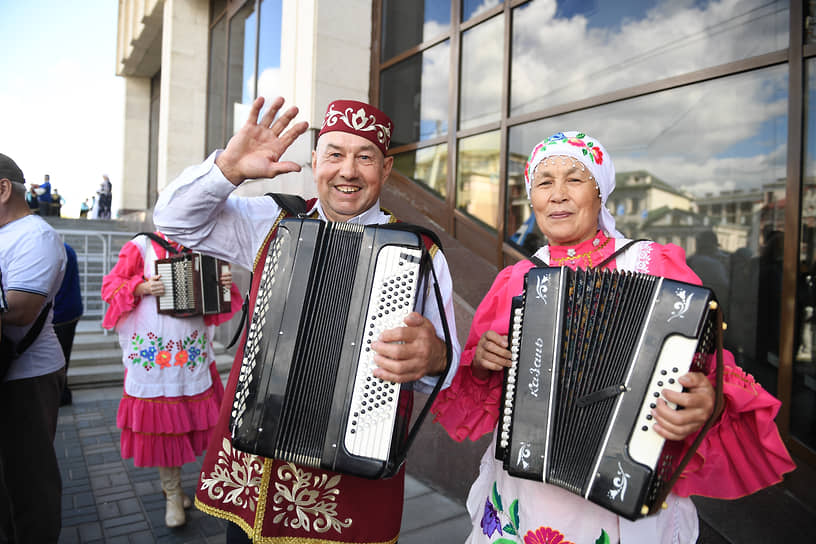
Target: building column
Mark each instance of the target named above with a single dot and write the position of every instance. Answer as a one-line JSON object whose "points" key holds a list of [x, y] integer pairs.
{"points": [[132, 191], [183, 112]]}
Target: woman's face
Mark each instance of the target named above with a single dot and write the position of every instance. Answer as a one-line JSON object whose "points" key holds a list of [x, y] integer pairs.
{"points": [[565, 201]]}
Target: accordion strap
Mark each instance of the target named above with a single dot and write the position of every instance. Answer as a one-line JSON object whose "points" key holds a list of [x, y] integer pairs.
{"points": [[294, 205], [412, 433], [159, 240], [719, 403]]}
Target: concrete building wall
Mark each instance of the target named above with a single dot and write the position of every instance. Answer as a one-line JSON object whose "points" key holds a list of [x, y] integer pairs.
{"points": [[133, 193], [182, 115]]}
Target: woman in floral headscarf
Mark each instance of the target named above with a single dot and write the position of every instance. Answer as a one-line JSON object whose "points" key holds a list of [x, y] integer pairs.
{"points": [[569, 177]]}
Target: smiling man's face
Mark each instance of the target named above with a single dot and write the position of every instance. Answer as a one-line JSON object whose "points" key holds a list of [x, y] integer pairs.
{"points": [[350, 172]]}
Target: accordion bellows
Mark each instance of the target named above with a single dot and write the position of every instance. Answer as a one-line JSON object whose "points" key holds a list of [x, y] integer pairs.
{"points": [[306, 392], [592, 350]]}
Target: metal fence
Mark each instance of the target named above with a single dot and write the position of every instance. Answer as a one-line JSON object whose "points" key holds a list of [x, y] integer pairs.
{"points": [[97, 253]]}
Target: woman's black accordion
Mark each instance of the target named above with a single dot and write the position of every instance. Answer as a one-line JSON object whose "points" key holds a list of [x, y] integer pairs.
{"points": [[591, 351]]}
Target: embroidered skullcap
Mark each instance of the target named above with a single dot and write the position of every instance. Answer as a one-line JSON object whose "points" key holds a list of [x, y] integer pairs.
{"points": [[361, 119], [9, 169], [590, 153]]}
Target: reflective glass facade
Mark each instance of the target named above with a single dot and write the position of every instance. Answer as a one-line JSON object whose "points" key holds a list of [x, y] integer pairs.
{"points": [[244, 63], [699, 105]]}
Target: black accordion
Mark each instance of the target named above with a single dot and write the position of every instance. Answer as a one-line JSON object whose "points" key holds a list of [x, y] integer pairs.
{"points": [[591, 352], [306, 392], [192, 285]]}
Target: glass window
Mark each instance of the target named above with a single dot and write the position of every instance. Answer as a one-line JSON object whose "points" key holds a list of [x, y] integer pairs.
{"points": [[269, 50], [803, 397], [215, 87], [241, 70], [408, 24], [715, 145], [481, 74], [414, 92], [472, 8], [477, 177], [427, 166], [582, 49]]}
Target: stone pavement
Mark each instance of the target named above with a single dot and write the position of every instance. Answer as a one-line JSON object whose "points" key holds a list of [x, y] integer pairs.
{"points": [[107, 499]]}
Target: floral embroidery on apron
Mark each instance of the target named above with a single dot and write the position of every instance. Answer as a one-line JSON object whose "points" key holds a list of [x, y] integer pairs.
{"points": [[506, 525], [153, 351]]}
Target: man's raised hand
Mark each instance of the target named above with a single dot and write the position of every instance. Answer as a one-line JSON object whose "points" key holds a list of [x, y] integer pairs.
{"points": [[254, 151]]}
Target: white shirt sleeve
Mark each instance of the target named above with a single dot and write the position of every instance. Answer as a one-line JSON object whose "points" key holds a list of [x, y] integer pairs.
{"points": [[196, 210]]}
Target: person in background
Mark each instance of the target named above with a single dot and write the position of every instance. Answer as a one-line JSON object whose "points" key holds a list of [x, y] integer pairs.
{"points": [[67, 311], [43, 192], [56, 203], [172, 391], [105, 199], [32, 259], [84, 209], [569, 177], [31, 199]]}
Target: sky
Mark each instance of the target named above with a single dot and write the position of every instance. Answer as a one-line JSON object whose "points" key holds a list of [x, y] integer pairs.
{"points": [[61, 103]]}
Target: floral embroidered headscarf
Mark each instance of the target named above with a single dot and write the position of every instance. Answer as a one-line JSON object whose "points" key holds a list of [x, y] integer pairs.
{"points": [[591, 154]]}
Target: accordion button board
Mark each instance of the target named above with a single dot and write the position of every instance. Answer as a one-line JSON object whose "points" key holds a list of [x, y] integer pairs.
{"points": [[306, 392], [192, 285], [592, 352]]}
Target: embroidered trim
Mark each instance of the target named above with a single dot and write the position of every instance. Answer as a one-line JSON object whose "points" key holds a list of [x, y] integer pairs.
{"points": [[116, 291], [308, 496], [357, 121], [235, 477], [587, 255], [207, 395], [644, 258]]}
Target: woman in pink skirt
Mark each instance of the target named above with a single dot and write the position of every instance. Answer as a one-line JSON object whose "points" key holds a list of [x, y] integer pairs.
{"points": [[172, 392]]}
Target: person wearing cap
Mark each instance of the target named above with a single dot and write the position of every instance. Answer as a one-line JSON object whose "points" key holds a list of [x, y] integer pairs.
{"points": [[32, 258], [266, 499], [569, 177]]}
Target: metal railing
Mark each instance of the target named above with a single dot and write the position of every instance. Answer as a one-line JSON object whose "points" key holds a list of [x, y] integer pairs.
{"points": [[97, 252]]}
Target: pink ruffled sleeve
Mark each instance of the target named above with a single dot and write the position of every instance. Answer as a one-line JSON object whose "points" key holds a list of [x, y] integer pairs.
{"points": [[120, 283], [235, 304], [743, 452], [669, 261], [469, 408]]}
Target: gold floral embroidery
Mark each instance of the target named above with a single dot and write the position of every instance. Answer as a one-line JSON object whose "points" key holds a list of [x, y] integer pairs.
{"points": [[300, 497], [235, 478]]}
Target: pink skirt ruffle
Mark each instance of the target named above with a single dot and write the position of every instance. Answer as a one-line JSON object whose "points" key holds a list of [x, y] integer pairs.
{"points": [[169, 431]]}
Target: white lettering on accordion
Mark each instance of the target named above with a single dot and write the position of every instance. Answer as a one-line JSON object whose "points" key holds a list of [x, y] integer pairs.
{"points": [[682, 305], [542, 286], [535, 370], [619, 485], [523, 454]]}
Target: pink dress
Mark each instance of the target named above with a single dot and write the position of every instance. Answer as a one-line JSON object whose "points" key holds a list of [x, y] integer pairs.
{"points": [[742, 452], [172, 391]]}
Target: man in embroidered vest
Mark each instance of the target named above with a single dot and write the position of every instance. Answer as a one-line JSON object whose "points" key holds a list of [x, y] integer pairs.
{"points": [[269, 500]]}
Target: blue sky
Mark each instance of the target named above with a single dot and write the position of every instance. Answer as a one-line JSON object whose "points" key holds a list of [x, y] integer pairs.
{"points": [[61, 103]]}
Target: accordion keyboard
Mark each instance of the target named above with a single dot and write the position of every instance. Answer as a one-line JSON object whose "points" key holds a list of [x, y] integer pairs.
{"points": [[177, 277], [374, 401]]}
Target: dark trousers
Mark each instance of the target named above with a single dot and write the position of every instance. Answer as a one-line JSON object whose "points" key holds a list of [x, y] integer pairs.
{"points": [[31, 486], [65, 335], [236, 535]]}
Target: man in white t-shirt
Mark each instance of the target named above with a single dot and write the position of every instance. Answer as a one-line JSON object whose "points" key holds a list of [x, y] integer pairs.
{"points": [[32, 258]]}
